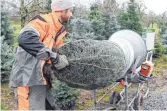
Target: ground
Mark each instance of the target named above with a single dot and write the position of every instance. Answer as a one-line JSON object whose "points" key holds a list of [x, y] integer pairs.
{"points": [[8, 100], [156, 99]]}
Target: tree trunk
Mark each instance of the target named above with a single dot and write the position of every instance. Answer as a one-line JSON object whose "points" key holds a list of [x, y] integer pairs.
{"points": [[23, 19]]}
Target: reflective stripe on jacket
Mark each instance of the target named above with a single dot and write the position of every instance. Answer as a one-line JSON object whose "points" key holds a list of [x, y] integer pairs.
{"points": [[37, 34]]}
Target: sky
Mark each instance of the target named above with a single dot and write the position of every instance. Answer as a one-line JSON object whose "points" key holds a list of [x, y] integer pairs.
{"points": [[157, 6]]}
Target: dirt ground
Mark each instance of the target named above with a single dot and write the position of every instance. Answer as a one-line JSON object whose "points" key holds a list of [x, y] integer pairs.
{"points": [[160, 82], [158, 85], [8, 99], [157, 98]]}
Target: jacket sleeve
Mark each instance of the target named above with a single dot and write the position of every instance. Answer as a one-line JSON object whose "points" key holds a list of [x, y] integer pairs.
{"points": [[30, 42]]}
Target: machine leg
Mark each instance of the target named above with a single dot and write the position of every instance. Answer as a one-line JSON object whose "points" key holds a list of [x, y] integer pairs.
{"points": [[126, 93], [94, 97], [138, 102]]}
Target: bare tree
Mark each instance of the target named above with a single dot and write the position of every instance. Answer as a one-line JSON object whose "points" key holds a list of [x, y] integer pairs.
{"points": [[148, 19], [141, 8], [29, 8], [110, 6]]}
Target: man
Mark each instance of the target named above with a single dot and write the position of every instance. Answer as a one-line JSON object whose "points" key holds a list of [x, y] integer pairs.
{"points": [[36, 41]]}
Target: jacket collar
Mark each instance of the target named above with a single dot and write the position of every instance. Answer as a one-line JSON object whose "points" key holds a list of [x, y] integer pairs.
{"points": [[57, 24]]}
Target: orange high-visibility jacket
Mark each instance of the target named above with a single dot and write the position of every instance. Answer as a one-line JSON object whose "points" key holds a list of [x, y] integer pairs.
{"points": [[45, 31]]}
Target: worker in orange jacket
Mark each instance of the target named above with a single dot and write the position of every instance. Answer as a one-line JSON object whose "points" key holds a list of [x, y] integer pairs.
{"points": [[36, 41]]}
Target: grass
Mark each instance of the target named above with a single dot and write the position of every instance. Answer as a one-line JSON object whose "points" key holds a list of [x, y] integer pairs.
{"points": [[99, 94], [160, 64], [8, 100], [2, 107], [4, 98], [118, 88]]}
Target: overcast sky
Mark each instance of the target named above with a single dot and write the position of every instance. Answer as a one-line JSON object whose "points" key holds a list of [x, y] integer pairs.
{"points": [[157, 6]]}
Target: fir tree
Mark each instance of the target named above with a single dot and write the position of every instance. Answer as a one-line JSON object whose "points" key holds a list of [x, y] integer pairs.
{"points": [[159, 49], [65, 97], [129, 19], [109, 18], [81, 29], [111, 25], [96, 20], [6, 31], [7, 55]]}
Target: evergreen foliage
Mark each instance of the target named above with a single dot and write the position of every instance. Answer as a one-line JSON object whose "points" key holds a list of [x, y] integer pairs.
{"points": [[111, 25], [64, 96], [81, 29], [6, 31], [129, 19], [159, 49], [163, 33], [96, 20], [104, 22], [7, 58]]}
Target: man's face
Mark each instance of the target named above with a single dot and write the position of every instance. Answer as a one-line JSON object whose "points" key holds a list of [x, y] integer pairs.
{"points": [[66, 15]]}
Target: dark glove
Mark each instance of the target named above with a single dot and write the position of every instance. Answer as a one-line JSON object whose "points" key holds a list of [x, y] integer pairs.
{"points": [[59, 61]]}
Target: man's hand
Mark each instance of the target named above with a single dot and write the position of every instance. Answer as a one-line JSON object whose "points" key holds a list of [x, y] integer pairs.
{"points": [[59, 61]]}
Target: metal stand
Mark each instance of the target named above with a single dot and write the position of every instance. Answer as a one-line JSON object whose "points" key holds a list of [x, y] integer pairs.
{"points": [[133, 74], [94, 98], [126, 93], [129, 79]]}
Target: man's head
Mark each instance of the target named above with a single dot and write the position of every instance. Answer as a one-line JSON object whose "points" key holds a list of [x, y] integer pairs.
{"points": [[64, 7]]}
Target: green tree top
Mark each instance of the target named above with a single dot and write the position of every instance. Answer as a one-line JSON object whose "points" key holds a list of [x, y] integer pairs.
{"points": [[130, 18]]}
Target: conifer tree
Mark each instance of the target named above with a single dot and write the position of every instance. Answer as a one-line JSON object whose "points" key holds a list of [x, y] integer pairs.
{"points": [[7, 55], [129, 19], [6, 30]]}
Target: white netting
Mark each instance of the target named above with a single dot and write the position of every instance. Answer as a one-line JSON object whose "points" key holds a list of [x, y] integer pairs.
{"points": [[93, 64]]}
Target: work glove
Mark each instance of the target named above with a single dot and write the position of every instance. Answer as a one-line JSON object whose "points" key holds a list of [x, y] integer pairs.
{"points": [[59, 61]]}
